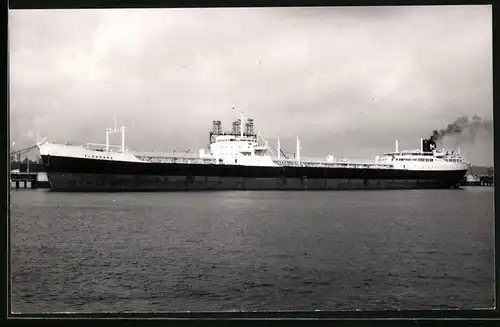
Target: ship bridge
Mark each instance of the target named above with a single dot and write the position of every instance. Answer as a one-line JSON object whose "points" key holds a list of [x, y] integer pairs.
{"points": [[239, 146]]}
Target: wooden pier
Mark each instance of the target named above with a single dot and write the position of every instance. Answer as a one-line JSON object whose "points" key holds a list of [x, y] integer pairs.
{"points": [[27, 180]]}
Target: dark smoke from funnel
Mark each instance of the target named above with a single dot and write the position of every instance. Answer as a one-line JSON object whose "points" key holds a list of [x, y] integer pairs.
{"points": [[453, 128], [461, 125]]}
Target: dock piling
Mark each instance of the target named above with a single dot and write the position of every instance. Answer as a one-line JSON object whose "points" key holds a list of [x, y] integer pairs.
{"points": [[24, 180]]}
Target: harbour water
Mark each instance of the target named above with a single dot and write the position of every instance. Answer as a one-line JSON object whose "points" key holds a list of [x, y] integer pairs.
{"points": [[221, 251]]}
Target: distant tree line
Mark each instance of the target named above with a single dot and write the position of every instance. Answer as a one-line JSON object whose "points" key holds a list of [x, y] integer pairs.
{"points": [[475, 170]]}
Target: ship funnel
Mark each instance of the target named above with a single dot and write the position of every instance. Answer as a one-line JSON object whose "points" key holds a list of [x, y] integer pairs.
{"points": [[428, 145], [397, 146], [217, 126], [421, 144]]}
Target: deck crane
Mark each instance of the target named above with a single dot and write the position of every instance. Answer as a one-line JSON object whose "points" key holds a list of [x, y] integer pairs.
{"points": [[16, 155]]}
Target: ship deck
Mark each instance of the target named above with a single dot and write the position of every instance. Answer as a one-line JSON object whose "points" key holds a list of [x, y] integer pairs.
{"points": [[327, 164], [187, 158]]}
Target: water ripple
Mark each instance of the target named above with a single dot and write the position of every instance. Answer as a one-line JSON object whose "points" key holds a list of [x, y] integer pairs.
{"points": [[217, 252]]}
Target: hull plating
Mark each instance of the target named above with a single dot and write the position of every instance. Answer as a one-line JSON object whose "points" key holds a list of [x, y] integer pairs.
{"points": [[73, 174], [115, 182]]}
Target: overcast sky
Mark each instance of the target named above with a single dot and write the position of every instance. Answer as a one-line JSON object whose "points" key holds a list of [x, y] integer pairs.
{"points": [[348, 81]]}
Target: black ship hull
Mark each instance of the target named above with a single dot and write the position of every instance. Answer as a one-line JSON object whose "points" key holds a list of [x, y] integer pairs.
{"points": [[76, 174]]}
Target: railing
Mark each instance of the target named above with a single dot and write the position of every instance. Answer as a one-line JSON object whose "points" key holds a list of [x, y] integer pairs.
{"points": [[98, 146], [154, 154], [176, 159], [334, 164], [307, 162]]}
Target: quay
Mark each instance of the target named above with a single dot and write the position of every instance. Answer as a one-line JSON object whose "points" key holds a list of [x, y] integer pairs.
{"points": [[486, 180], [482, 180], [28, 180]]}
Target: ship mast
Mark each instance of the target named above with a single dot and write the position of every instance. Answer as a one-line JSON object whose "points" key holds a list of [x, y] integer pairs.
{"points": [[123, 139], [279, 148], [115, 130], [297, 153], [108, 131]]}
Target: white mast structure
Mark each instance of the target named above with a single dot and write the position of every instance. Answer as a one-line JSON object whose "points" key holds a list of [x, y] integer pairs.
{"points": [[279, 149], [115, 130], [297, 155], [123, 139]]}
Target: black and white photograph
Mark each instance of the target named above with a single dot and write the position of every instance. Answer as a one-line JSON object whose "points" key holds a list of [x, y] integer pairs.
{"points": [[252, 159]]}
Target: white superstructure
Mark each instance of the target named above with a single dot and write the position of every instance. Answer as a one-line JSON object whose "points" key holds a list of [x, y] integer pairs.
{"points": [[441, 159]]}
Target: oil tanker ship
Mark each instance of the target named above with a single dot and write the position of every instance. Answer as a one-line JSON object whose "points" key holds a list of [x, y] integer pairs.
{"points": [[240, 159]]}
